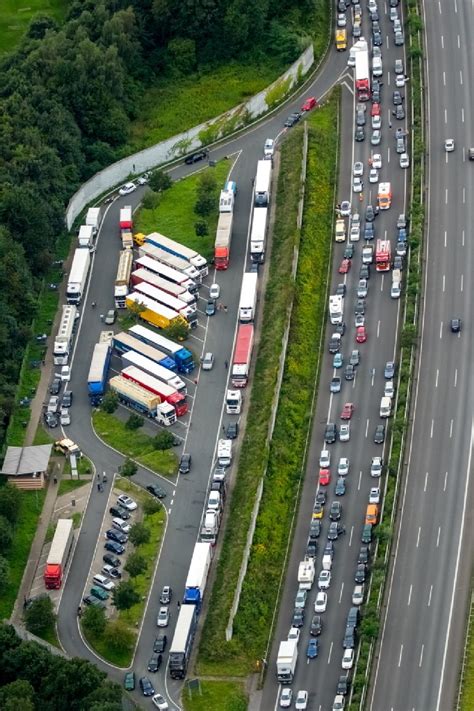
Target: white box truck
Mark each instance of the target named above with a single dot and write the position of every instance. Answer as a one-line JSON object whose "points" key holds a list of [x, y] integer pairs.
{"points": [[248, 297], [257, 234], [306, 573], [286, 660], [93, 218], [86, 236], [335, 309], [78, 276]]}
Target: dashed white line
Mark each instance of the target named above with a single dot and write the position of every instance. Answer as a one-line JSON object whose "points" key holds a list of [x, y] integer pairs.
{"points": [[171, 502], [421, 655], [455, 6], [460, 77], [350, 536], [439, 8], [451, 428], [360, 480], [442, 42], [400, 657], [463, 238], [431, 431], [340, 594], [438, 537], [441, 330], [464, 195], [462, 115], [445, 116], [429, 596], [330, 652], [388, 155], [418, 536], [446, 195], [426, 480], [455, 377], [378, 329], [367, 427], [444, 282], [409, 595], [445, 481], [444, 78], [459, 42], [445, 238]]}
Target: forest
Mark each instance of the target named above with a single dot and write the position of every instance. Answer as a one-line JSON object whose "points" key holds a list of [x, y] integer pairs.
{"points": [[68, 95]]}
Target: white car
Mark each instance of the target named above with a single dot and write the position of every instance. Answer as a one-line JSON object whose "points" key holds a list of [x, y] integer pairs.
{"points": [[163, 617], [351, 61], [400, 81], [324, 579], [143, 179], [341, 20], [214, 501], [269, 148], [377, 161], [325, 459], [103, 582], [286, 697], [358, 594], [389, 390], [393, 14], [127, 502], [294, 633], [343, 467], [373, 175], [301, 700], [345, 432], [358, 170], [339, 703], [399, 66], [345, 208], [376, 137], [372, 5], [321, 602], [362, 288], [348, 659], [397, 25], [65, 373], [207, 361], [127, 189], [214, 291], [357, 185], [64, 417], [300, 599], [355, 218], [354, 234], [374, 496], [376, 467], [359, 320], [376, 122], [404, 160], [377, 52], [160, 702]]}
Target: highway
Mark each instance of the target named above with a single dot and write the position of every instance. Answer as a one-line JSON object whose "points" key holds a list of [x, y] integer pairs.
{"points": [[418, 661], [320, 676]]}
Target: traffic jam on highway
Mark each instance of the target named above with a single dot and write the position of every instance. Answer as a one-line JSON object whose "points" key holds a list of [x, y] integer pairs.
{"points": [[356, 231]]}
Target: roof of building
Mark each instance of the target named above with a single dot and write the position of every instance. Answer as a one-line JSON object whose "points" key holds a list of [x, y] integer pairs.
{"points": [[26, 460]]}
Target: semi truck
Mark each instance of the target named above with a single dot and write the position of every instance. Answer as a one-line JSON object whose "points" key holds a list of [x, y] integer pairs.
{"points": [[141, 274], [182, 356], [286, 660], [306, 573], [168, 274], [362, 75], [93, 219], [152, 368], [335, 309], [123, 342], [86, 236], [242, 356], [164, 391], [233, 402], [153, 312], [179, 250], [97, 377], [78, 276], [248, 297], [122, 279], [145, 402], [262, 183], [59, 554], [197, 574], [127, 239], [257, 234], [159, 255], [188, 312], [210, 527], [180, 650], [64, 336], [126, 218], [226, 201], [223, 240]]}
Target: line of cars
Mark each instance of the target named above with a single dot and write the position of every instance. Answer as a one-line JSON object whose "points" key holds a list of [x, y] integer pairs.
{"points": [[295, 116], [56, 410]]}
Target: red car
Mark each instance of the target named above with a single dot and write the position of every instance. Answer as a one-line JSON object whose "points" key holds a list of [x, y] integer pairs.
{"points": [[324, 477], [344, 266], [375, 110], [361, 334], [309, 104], [347, 411]]}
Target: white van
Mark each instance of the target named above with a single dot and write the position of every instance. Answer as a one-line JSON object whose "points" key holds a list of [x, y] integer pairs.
{"points": [[385, 406], [121, 525], [224, 452], [377, 67], [327, 561]]}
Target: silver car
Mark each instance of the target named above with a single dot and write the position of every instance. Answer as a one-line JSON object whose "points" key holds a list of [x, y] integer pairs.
{"points": [[376, 137], [208, 361]]}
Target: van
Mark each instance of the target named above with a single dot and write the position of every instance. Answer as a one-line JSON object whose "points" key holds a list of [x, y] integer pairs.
{"points": [[377, 67], [214, 501], [327, 561], [121, 525], [400, 145], [371, 514], [385, 406], [224, 452]]}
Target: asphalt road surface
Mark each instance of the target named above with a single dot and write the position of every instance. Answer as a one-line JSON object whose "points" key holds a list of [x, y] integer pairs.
{"points": [[422, 637]]}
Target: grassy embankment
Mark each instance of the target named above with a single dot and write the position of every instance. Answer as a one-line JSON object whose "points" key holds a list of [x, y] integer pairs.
{"points": [[15, 16]]}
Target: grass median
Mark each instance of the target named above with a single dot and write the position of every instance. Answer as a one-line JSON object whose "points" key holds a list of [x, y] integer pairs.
{"points": [[215, 696], [285, 457]]}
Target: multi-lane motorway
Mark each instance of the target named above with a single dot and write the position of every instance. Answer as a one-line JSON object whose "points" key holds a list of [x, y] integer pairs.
{"points": [[418, 660]]}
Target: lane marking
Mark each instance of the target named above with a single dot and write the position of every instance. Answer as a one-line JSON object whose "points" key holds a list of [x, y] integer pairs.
{"points": [[463, 238], [444, 282], [330, 653], [451, 429], [421, 655], [445, 481], [431, 432], [409, 595], [360, 480], [460, 76], [455, 377], [445, 238], [418, 537], [367, 428], [340, 594], [350, 536], [446, 190], [438, 537], [441, 330], [429, 596], [426, 481], [400, 657]]}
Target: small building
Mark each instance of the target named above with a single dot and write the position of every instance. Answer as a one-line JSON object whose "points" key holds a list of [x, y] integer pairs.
{"points": [[26, 467]]}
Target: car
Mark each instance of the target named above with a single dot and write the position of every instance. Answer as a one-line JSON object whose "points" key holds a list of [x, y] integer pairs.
{"points": [[389, 388], [146, 686], [399, 39], [154, 663], [312, 649], [93, 601], [339, 703], [116, 536], [349, 641], [298, 617], [335, 530], [163, 617], [159, 645], [397, 98], [324, 579], [211, 307], [377, 39], [358, 593], [301, 702], [55, 387], [375, 93], [361, 334], [379, 434], [111, 571], [324, 477], [400, 81], [338, 360], [129, 681], [330, 433], [160, 702], [185, 463], [358, 169], [127, 502], [456, 325], [335, 385], [354, 234], [286, 697], [103, 582], [402, 234], [360, 574], [311, 102], [376, 467], [311, 549], [344, 266], [369, 232], [364, 271], [53, 405], [345, 208], [366, 533], [300, 599], [335, 343], [357, 185], [294, 633], [400, 146], [341, 289], [398, 262], [343, 685], [449, 145], [325, 459], [340, 328], [340, 488], [359, 307], [359, 133], [320, 497], [166, 594], [348, 659], [99, 593], [292, 119], [351, 60], [399, 112], [347, 411], [354, 359], [318, 510], [376, 161], [143, 179], [470, 153], [119, 512], [401, 249], [321, 601], [375, 111], [316, 626], [232, 430], [268, 151], [356, 29], [376, 125], [364, 555], [156, 490], [389, 370], [345, 432], [376, 137], [51, 419], [111, 560], [359, 320], [343, 466], [374, 495], [195, 157], [370, 213], [315, 529], [114, 547], [67, 399], [110, 317], [127, 189], [335, 512], [362, 288], [214, 291]]}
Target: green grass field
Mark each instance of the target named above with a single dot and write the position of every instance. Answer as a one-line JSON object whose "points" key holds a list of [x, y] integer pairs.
{"points": [[211, 695], [15, 16]]}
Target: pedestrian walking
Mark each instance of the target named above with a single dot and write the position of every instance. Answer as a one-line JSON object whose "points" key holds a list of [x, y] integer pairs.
{"points": [[223, 428], [225, 308], [178, 604], [226, 364], [195, 381], [55, 479], [98, 486], [101, 317]]}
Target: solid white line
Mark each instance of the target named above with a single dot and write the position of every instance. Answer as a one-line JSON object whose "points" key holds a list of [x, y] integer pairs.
{"points": [[421, 655], [426, 480], [409, 595]]}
